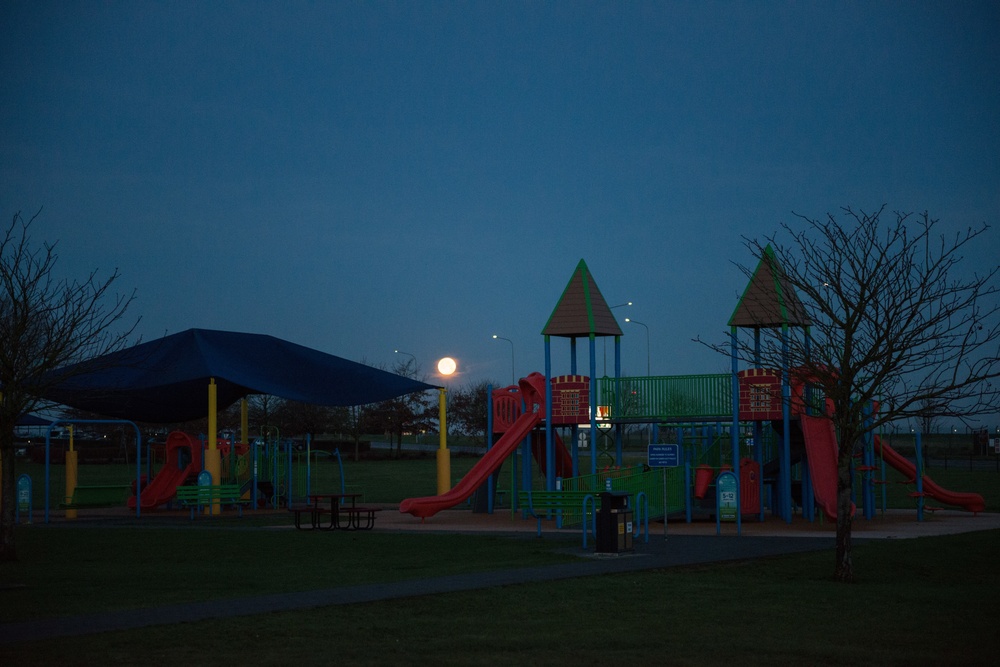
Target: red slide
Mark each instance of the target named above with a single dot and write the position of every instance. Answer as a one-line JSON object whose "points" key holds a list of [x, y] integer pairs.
{"points": [[163, 486], [515, 435], [821, 451], [973, 502], [564, 460], [533, 393]]}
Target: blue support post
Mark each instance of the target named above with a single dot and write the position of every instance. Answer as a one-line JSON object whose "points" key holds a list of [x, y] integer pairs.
{"points": [[592, 397], [688, 510], [490, 480], [786, 446], [550, 464]]}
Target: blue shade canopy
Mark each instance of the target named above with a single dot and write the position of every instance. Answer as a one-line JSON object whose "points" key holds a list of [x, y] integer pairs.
{"points": [[166, 380], [31, 420]]}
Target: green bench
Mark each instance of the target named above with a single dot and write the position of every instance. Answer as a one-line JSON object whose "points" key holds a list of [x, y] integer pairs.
{"points": [[545, 504], [99, 495], [197, 497]]}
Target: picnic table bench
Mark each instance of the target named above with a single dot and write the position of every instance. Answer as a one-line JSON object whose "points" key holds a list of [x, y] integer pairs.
{"points": [[355, 516], [335, 506], [97, 495], [196, 497]]}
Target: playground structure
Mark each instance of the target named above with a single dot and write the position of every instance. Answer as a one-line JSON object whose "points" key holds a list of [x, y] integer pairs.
{"points": [[269, 471], [756, 422]]}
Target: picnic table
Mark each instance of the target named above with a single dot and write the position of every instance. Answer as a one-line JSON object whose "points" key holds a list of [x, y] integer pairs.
{"points": [[332, 511]]}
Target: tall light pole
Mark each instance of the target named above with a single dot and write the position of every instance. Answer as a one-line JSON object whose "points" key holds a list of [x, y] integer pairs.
{"points": [[647, 365], [446, 367], [411, 357], [620, 305], [647, 341], [513, 381]]}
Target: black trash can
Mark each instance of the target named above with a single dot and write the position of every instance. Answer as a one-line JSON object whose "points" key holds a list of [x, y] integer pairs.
{"points": [[614, 523]]}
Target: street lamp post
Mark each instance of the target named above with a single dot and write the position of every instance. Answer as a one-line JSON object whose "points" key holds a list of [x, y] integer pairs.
{"points": [[446, 367], [647, 364], [513, 381], [647, 341], [620, 305], [410, 356]]}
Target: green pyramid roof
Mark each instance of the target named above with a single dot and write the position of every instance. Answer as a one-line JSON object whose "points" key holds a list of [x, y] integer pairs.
{"points": [[769, 299], [582, 310]]}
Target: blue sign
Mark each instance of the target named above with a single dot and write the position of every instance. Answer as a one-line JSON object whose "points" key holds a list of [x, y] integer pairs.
{"points": [[664, 456], [726, 488], [24, 498]]}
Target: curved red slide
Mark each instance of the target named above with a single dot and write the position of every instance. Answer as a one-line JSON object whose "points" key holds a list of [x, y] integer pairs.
{"points": [[564, 460], [821, 452], [515, 435], [533, 391], [163, 487], [973, 502]]}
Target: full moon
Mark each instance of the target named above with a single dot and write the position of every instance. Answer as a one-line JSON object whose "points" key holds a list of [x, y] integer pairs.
{"points": [[447, 366]]}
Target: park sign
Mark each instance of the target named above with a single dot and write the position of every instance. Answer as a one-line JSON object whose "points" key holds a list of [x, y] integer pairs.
{"points": [[663, 456], [726, 486]]}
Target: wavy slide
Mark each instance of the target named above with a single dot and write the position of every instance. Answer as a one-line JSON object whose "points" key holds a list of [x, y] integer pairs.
{"points": [[973, 502], [163, 487], [821, 452], [515, 435]]}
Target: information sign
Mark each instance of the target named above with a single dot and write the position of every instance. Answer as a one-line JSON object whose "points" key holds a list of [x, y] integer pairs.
{"points": [[725, 485], [663, 456]]}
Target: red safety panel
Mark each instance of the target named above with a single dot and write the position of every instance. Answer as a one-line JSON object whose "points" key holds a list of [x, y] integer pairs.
{"points": [[760, 394], [570, 399]]}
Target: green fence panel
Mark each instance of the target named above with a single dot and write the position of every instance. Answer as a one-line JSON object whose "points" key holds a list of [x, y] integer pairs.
{"points": [[667, 397], [633, 480]]}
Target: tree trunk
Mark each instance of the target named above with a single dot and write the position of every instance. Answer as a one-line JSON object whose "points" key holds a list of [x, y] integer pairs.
{"points": [[8, 553], [844, 569]]}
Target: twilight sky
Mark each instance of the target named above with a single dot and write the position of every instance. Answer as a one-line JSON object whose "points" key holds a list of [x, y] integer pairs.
{"points": [[360, 177]]}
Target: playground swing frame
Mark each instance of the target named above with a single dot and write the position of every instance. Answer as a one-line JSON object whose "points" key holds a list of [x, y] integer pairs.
{"points": [[71, 422]]}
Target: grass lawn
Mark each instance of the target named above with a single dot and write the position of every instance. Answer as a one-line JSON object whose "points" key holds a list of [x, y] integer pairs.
{"points": [[925, 601]]}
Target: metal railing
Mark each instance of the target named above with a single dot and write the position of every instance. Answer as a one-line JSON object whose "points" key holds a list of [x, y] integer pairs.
{"points": [[667, 397]]}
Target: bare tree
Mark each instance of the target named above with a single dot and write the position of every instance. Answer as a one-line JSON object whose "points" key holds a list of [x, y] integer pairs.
{"points": [[895, 321], [403, 414], [45, 323], [927, 417], [468, 409]]}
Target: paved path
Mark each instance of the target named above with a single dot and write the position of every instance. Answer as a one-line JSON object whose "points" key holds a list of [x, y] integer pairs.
{"points": [[682, 545]]}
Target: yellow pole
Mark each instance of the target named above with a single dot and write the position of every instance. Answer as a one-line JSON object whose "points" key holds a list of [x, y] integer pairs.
{"points": [[443, 455], [72, 473], [213, 462]]}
